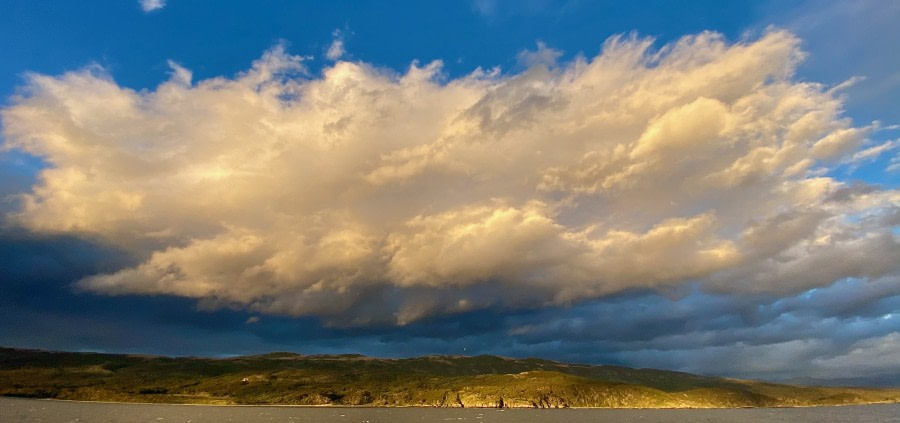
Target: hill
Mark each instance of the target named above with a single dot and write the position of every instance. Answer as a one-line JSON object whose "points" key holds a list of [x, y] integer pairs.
{"points": [[431, 381]]}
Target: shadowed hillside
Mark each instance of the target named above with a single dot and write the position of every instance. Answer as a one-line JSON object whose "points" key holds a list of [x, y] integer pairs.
{"points": [[433, 381]]}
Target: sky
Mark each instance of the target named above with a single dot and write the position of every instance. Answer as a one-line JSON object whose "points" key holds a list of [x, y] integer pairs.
{"points": [[701, 186]]}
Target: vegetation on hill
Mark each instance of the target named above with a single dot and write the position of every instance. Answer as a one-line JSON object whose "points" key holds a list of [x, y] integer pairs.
{"points": [[432, 381]]}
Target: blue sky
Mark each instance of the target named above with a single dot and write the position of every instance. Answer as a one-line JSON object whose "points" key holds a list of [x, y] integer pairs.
{"points": [[152, 136], [222, 40]]}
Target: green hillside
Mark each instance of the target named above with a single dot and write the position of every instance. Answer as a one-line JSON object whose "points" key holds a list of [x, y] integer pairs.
{"points": [[432, 381]]}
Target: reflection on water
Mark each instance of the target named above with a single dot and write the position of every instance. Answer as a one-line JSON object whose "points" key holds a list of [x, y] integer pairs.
{"points": [[26, 410]]}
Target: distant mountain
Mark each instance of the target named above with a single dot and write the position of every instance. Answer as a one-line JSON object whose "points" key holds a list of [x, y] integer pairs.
{"points": [[431, 381], [890, 380]]}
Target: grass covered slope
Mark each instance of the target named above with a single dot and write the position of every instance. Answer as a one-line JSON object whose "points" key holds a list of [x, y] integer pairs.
{"points": [[434, 381]]}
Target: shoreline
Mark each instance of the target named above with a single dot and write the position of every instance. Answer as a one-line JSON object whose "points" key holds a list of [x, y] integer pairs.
{"points": [[331, 406]]}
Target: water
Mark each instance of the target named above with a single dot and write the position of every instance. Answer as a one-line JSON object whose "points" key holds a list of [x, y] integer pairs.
{"points": [[44, 411]]}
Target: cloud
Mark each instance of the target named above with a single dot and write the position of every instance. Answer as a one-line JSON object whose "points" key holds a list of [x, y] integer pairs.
{"points": [[894, 165], [868, 357], [543, 55], [151, 5], [366, 197], [837, 41], [336, 49], [484, 7], [491, 9], [749, 336], [784, 336], [872, 153]]}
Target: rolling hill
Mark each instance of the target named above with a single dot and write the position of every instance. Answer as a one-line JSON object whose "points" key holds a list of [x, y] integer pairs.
{"points": [[356, 380]]}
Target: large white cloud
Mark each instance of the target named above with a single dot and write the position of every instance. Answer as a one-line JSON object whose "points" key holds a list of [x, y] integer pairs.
{"points": [[364, 196]]}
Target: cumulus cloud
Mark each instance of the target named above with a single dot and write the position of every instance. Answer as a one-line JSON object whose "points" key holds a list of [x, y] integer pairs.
{"points": [[151, 5], [368, 197]]}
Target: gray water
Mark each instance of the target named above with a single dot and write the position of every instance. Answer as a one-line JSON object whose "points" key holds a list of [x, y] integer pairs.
{"points": [[48, 411]]}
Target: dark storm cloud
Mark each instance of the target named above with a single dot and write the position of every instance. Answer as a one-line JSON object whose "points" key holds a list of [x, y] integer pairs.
{"points": [[688, 330], [694, 332], [39, 307]]}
